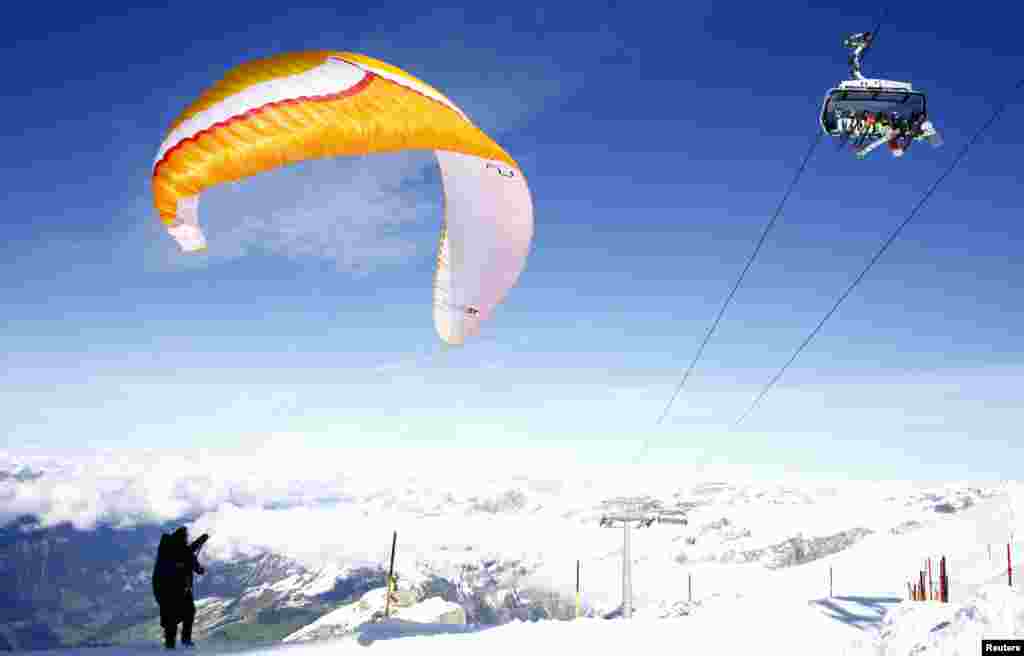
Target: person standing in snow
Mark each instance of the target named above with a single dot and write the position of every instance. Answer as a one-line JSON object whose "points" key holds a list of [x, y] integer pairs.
{"points": [[173, 576]]}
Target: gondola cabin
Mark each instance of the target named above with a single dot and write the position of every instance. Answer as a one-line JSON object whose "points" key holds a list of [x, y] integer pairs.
{"points": [[846, 107]]}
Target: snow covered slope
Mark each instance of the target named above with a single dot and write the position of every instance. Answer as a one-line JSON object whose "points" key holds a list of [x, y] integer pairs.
{"points": [[734, 626]]}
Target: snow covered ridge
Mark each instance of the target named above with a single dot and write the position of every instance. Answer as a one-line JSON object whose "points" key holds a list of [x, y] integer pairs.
{"points": [[19, 474], [950, 500], [797, 550]]}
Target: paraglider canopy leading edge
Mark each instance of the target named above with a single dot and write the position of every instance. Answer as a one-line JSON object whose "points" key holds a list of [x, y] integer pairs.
{"points": [[269, 113]]}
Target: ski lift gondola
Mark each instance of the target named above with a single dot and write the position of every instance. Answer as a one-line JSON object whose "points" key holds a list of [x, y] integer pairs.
{"points": [[870, 112]]}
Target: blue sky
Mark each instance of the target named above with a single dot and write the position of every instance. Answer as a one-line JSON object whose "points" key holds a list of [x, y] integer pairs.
{"points": [[656, 142]]}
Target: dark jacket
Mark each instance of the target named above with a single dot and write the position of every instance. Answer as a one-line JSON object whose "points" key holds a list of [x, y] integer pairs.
{"points": [[176, 564], [163, 570]]}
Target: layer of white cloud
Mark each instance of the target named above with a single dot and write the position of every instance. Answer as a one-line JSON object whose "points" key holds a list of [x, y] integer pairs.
{"points": [[276, 488]]}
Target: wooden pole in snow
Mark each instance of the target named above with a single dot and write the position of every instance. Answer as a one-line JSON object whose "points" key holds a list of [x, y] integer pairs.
{"points": [[829, 581], [689, 586], [1009, 566], [577, 588], [391, 575]]}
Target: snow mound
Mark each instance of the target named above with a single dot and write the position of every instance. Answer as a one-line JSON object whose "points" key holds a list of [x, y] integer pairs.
{"points": [[431, 611], [932, 628], [355, 618], [399, 628]]}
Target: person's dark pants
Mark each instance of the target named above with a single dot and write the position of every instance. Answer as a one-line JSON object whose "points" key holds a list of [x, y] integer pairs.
{"points": [[188, 615], [174, 610], [169, 614]]}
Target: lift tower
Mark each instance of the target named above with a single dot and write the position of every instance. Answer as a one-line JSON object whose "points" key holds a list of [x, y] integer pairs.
{"points": [[641, 512]]}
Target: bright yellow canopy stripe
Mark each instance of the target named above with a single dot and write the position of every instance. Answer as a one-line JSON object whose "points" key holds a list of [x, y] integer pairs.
{"points": [[378, 115]]}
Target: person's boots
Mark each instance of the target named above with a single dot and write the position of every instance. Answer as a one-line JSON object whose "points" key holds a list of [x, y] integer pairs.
{"points": [[169, 636], [186, 633]]}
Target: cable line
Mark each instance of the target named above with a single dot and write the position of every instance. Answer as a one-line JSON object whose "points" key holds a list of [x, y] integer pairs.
{"points": [[750, 261], [877, 255]]}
